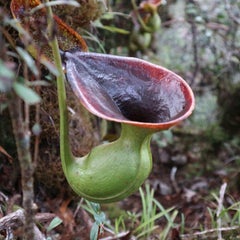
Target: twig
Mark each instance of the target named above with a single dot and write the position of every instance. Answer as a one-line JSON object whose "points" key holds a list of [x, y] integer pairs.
{"points": [[3, 197], [228, 8], [22, 138], [219, 210], [87, 221], [173, 179], [4, 152], [195, 51], [44, 217], [194, 46], [223, 229], [17, 219], [122, 235], [37, 118]]}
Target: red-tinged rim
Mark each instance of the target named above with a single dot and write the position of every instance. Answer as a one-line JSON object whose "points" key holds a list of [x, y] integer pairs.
{"points": [[172, 87]]}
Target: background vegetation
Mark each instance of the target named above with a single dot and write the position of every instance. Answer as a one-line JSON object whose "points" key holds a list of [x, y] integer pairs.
{"points": [[193, 191]]}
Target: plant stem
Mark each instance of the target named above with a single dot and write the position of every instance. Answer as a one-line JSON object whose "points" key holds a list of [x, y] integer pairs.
{"points": [[65, 151], [22, 138]]}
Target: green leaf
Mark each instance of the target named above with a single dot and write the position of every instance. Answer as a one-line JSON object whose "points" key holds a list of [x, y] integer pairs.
{"points": [[95, 206], [100, 218], [6, 76], [115, 29], [54, 223], [14, 23], [98, 24], [50, 66], [111, 15], [38, 83], [28, 60], [3, 106], [5, 71], [26, 93], [94, 232]]}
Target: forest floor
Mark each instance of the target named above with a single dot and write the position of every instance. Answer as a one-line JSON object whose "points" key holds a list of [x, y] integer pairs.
{"points": [[194, 181]]}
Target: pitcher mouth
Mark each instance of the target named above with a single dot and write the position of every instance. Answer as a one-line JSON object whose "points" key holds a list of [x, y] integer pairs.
{"points": [[128, 90]]}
